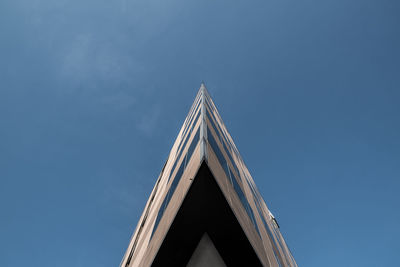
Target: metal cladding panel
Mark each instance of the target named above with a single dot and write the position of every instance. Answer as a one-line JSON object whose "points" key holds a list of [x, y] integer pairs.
{"points": [[274, 244], [171, 210], [142, 240], [204, 137], [236, 206]]}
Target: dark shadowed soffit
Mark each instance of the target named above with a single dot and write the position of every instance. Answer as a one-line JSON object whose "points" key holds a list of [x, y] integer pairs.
{"points": [[205, 209]]}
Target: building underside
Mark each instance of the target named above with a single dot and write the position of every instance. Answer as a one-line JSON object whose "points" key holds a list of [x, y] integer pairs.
{"points": [[205, 211]]}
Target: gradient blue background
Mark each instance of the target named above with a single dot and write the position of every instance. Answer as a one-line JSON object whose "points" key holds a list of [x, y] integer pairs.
{"points": [[93, 94]]}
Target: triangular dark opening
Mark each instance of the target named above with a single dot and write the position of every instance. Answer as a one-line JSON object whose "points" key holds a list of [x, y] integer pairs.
{"points": [[205, 209]]}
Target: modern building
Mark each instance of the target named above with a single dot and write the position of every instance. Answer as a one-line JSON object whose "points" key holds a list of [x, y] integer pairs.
{"points": [[205, 209]]}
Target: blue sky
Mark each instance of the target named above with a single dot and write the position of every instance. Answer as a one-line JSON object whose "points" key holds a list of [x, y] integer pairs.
{"points": [[93, 94]]}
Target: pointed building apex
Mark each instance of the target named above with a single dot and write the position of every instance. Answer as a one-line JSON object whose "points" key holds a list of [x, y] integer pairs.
{"points": [[203, 85], [205, 189]]}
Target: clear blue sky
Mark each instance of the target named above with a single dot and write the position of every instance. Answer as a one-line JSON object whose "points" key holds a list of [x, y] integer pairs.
{"points": [[93, 94]]}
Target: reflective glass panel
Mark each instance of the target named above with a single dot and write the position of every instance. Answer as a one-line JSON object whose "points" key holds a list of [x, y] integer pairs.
{"points": [[233, 180], [176, 180]]}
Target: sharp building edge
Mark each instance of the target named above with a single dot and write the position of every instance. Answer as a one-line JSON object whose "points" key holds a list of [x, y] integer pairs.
{"points": [[205, 209]]}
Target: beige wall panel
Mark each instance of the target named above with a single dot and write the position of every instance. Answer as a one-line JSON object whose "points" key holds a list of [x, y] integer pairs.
{"points": [[172, 207], [237, 207]]}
